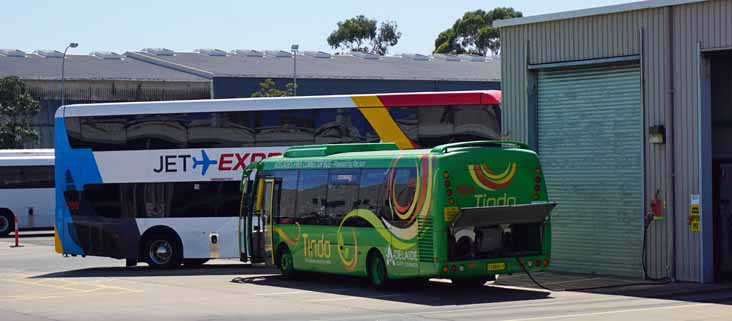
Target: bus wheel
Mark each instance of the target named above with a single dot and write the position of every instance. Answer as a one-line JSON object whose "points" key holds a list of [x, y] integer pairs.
{"points": [[7, 223], [285, 263], [471, 282], [376, 268], [163, 251]]}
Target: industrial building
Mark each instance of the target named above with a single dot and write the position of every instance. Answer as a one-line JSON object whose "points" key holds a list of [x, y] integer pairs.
{"points": [[238, 73], [162, 74], [630, 109], [98, 77]]}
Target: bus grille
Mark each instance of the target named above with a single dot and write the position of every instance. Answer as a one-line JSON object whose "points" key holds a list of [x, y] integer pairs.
{"points": [[425, 240]]}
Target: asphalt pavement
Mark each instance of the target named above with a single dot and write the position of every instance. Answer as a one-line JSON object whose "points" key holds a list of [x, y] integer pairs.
{"points": [[39, 284]]}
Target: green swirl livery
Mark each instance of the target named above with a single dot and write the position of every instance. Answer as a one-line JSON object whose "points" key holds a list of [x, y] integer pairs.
{"points": [[376, 211]]}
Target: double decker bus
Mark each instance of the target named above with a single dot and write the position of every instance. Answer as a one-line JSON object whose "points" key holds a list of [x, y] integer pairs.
{"points": [[158, 182], [26, 189], [464, 211]]}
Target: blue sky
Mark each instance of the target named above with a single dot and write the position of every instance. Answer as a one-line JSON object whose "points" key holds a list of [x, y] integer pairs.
{"points": [[185, 25]]}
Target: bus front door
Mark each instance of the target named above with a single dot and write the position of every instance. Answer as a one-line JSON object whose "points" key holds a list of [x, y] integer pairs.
{"points": [[262, 225]]}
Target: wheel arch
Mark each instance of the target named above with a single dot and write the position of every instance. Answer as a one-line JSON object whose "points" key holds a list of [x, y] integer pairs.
{"points": [[157, 230], [280, 247]]}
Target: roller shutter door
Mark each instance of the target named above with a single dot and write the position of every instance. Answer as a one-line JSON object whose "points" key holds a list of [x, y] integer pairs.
{"points": [[590, 141]]}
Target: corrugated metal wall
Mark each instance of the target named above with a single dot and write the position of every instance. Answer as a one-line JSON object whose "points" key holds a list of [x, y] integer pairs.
{"points": [[670, 33]]}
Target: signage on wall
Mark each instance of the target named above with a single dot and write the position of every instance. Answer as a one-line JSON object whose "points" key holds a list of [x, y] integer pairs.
{"points": [[695, 214]]}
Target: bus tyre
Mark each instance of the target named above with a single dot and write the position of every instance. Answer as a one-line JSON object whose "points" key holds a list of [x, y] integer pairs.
{"points": [[7, 222], [285, 263], [376, 269], [471, 282], [163, 251]]}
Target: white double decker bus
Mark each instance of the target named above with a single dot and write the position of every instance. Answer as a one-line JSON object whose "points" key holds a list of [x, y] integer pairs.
{"points": [[158, 182], [26, 189]]}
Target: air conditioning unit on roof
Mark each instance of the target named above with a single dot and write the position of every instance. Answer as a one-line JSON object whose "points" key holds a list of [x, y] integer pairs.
{"points": [[248, 52], [211, 52], [49, 53], [446, 57], [317, 54], [107, 55], [415, 56], [12, 53], [159, 51], [278, 53], [475, 58], [364, 55]]}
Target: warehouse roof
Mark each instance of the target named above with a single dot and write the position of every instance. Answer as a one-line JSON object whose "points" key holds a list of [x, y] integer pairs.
{"points": [[204, 64], [633, 6], [96, 66], [279, 64]]}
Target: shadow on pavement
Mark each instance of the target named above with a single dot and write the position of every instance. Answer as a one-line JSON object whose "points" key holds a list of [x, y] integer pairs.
{"points": [[432, 293], [145, 271], [602, 284]]}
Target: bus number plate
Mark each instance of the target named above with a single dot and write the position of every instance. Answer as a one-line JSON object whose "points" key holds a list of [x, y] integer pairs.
{"points": [[496, 266]]}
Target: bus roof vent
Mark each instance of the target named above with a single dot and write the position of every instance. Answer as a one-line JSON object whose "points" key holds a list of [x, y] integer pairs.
{"points": [[325, 150], [317, 54], [12, 53], [49, 53], [159, 51], [211, 52]]}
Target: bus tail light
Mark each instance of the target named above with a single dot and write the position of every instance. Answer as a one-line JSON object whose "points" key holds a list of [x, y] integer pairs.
{"points": [[537, 179], [451, 200], [445, 174], [546, 262], [538, 263], [445, 269], [536, 196], [453, 268], [447, 183], [449, 192]]}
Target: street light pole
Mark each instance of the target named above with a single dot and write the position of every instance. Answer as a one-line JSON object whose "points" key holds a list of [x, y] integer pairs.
{"points": [[63, 66], [294, 49]]}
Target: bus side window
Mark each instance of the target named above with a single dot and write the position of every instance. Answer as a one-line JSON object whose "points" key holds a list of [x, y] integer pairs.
{"points": [[404, 189], [372, 189], [343, 186], [287, 187], [312, 188]]}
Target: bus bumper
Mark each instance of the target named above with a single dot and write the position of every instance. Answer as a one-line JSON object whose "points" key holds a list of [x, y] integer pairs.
{"points": [[491, 267]]}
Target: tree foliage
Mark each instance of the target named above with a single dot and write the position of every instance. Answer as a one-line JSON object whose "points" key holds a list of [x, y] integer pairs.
{"points": [[17, 109], [268, 88], [474, 33], [361, 34]]}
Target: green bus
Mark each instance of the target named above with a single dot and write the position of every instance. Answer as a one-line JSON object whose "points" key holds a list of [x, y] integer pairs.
{"points": [[463, 211]]}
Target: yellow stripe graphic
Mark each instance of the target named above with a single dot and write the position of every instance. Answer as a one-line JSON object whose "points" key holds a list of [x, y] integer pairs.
{"points": [[379, 118]]}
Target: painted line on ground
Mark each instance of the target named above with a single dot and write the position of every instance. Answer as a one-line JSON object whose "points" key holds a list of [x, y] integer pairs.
{"points": [[355, 298], [565, 316], [300, 292], [510, 305]]}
